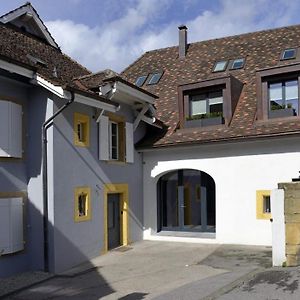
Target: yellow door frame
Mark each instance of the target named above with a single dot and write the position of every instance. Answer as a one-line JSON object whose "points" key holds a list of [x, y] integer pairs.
{"points": [[122, 189]]}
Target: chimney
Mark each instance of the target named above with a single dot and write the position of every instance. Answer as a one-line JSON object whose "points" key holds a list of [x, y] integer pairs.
{"points": [[182, 41]]}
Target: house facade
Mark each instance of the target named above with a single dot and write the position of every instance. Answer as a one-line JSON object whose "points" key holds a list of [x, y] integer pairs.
{"points": [[230, 107], [184, 145], [66, 153]]}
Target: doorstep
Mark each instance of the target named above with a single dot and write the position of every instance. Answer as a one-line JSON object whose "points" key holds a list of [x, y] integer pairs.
{"points": [[182, 236]]}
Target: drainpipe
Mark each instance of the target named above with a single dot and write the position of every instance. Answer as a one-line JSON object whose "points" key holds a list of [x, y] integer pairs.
{"points": [[48, 123]]}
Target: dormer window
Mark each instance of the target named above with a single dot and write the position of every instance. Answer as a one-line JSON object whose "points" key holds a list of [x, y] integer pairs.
{"points": [[141, 80], [289, 54], [278, 92], [220, 66], [283, 98], [237, 64], [155, 78], [209, 102]]}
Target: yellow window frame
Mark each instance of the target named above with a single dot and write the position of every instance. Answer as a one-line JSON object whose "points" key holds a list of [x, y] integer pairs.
{"points": [[85, 121], [77, 193], [260, 214]]}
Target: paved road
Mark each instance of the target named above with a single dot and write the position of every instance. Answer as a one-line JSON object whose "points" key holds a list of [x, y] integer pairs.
{"points": [[158, 270]]}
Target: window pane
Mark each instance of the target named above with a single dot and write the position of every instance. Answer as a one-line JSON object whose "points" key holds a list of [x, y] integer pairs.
{"points": [[220, 66], [141, 80], [155, 78], [291, 90], [215, 97], [238, 63], [114, 153], [289, 53], [267, 204], [275, 91], [82, 205], [197, 107]]}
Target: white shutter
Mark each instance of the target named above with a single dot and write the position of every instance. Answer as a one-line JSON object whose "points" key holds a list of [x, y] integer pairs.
{"points": [[16, 130], [129, 143], [10, 129], [4, 127], [11, 225], [103, 138]]}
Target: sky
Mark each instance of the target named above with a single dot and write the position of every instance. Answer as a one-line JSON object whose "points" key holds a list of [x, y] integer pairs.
{"points": [[112, 34]]}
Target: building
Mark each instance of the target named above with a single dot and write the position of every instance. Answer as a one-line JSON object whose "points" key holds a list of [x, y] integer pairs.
{"points": [[230, 107], [65, 153], [185, 144]]}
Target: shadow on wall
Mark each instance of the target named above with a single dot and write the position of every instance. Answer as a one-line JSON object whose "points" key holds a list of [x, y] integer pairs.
{"points": [[70, 284]]}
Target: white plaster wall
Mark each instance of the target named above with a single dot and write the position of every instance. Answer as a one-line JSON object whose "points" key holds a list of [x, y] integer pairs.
{"points": [[239, 169]]}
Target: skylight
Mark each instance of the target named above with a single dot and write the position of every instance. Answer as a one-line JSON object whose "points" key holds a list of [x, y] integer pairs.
{"points": [[220, 66], [155, 77], [288, 54], [237, 63], [141, 80]]}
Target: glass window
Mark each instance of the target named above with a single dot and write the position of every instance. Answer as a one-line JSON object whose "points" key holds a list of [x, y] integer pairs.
{"points": [[237, 64], [266, 204], [141, 80], [284, 95], [289, 54], [220, 66], [155, 77], [207, 105], [198, 105], [82, 205], [114, 141]]}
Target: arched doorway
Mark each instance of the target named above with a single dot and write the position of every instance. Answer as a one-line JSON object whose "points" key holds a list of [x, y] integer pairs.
{"points": [[186, 201]]}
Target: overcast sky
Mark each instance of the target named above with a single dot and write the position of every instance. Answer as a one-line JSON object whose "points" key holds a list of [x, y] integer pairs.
{"points": [[111, 34]]}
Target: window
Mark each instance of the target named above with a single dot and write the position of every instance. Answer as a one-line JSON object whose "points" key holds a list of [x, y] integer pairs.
{"points": [[114, 141], [283, 98], [10, 129], [220, 66], [208, 102], [141, 80], [154, 78], [82, 204], [206, 105], [81, 130], [266, 204], [237, 64], [278, 92], [263, 204], [11, 223], [288, 54]]}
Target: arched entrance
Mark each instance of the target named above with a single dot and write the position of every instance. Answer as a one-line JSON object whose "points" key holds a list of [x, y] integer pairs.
{"points": [[186, 201]]}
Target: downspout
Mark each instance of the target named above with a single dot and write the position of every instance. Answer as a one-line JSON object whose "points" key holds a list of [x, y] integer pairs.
{"points": [[47, 124]]}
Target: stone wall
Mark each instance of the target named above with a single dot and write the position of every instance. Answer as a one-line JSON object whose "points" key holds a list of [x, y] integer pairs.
{"points": [[292, 222]]}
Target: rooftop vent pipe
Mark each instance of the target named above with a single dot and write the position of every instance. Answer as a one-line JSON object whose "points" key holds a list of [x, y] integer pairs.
{"points": [[182, 41]]}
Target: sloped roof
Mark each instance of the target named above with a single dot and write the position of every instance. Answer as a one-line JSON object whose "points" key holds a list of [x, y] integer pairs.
{"points": [[40, 27], [261, 50]]}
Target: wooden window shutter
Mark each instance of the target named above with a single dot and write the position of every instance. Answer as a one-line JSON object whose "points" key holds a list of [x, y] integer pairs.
{"points": [[10, 129], [129, 143], [103, 142]]}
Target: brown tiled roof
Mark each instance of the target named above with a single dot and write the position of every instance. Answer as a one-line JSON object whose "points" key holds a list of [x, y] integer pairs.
{"points": [[21, 47], [94, 80], [262, 50]]}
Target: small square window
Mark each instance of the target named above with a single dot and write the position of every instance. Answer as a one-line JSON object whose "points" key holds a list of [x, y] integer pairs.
{"points": [[263, 205], [155, 77], [141, 80], [288, 54], [82, 204], [220, 66], [237, 64], [81, 130]]}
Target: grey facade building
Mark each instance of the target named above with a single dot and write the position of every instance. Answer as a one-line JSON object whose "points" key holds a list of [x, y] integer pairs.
{"points": [[70, 178]]}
